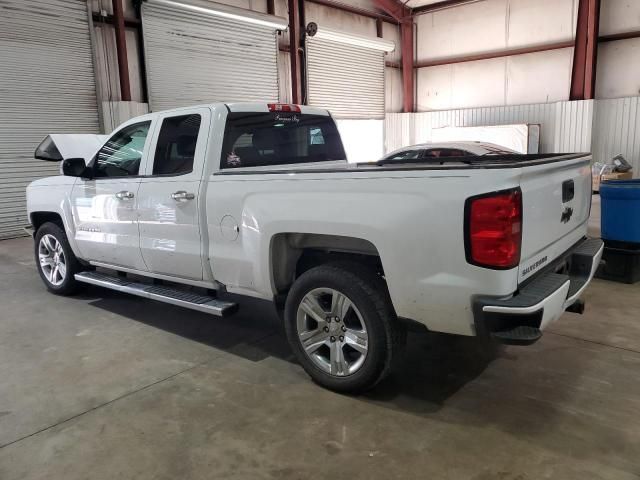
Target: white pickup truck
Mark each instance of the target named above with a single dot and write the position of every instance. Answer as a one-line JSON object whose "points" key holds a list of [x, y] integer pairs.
{"points": [[255, 199]]}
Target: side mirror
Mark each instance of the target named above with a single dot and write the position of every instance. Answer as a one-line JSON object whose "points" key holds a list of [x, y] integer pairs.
{"points": [[76, 167]]}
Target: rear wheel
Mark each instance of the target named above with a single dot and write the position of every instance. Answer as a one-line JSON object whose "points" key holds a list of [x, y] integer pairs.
{"points": [[341, 326], [57, 265]]}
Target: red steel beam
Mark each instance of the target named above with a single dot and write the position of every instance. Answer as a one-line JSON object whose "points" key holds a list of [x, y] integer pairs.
{"points": [[619, 36], [406, 40], [440, 6], [351, 9], [592, 50], [121, 50], [583, 75], [294, 50], [403, 16], [499, 54]]}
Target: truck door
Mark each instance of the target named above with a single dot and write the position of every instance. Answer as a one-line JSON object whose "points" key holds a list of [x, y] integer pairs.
{"points": [[168, 200], [104, 208]]}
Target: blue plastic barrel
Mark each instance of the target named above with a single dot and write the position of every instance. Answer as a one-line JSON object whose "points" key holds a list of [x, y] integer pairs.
{"points": [[620, 219]]}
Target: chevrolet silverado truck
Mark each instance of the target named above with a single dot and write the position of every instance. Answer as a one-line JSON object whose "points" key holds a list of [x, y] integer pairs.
{"points": [[188, 205]]}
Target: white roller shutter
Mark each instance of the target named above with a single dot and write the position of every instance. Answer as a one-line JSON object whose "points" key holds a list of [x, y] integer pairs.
{"points": [[345, 73], [206, 52], [47, 85]]}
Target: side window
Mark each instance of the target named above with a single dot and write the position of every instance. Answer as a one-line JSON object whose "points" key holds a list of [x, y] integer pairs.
{"points": [[445, 152], [121, 155], [405, 155], [176, 145]]}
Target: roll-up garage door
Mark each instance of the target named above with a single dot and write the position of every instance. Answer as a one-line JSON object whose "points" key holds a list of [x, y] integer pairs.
{"points": [[47, 85], [346, 72], [206, 52]]}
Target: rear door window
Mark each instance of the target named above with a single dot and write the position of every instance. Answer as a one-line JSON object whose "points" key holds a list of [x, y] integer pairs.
{"points": [[279, 138], [176, 145]]}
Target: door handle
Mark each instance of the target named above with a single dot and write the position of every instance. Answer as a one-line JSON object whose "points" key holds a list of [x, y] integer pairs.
{"points": [[124, 195], [182, 195]]}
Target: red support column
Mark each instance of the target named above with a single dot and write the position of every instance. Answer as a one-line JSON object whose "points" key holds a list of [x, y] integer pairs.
{"points": [[583, 76], [294, 47], [407, 67], [121, 50], [403, 16]]}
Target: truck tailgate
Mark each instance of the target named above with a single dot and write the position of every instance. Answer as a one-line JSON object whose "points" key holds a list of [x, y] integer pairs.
{"points": [[556, 201]]}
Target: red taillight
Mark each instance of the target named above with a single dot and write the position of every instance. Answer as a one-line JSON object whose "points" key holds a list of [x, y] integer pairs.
{"points": [[494, 230], [283, 107]]}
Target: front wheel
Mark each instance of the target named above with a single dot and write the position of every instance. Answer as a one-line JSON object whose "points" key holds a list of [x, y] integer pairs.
{"points": [[55, 260], [341, 326]]}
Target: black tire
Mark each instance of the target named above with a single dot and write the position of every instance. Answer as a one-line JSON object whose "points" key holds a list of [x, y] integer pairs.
{"points": [[368, 292], [69, 285]]}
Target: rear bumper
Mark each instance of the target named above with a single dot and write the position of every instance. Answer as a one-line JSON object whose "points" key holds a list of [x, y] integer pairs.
{"points": [[520, 318]]}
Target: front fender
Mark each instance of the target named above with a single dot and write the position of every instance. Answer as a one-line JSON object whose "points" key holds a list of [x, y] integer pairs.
{"points": [[53, 195]]}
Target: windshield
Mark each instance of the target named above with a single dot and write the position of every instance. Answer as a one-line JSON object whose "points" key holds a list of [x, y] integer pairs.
{"points": [[278, 138]]}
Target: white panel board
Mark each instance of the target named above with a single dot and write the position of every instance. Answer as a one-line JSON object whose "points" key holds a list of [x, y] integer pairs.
{"points": [[564, 126], [363, 140], [618, 73], [434, 88], [536, 22], [619, 16], [523, 72], [477, 84], [464, 30]]}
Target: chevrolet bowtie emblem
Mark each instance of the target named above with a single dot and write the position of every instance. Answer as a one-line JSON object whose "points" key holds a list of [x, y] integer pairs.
{"points": [[566, 215]]}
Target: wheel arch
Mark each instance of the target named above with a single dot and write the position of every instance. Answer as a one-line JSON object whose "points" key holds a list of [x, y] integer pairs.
{"points": [[39, 218], [293, 253]]}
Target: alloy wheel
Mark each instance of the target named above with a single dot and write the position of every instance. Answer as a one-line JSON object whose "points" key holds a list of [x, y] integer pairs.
{"points": [[52, 260], [332, 332]]}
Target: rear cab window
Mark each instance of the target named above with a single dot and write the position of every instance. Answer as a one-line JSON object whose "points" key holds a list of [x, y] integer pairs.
{"points": [[279, 138]]}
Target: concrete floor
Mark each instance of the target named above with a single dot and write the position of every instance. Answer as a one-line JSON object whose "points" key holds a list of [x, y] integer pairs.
{"points": [[106, 386]]}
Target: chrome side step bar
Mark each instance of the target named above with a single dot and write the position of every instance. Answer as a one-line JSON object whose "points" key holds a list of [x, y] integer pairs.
{"points": [[174, 296]]}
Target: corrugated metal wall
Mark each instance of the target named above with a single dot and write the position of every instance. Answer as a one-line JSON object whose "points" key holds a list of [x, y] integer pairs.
{"points": [[47, 85], [616, 129], [565, 126]]}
